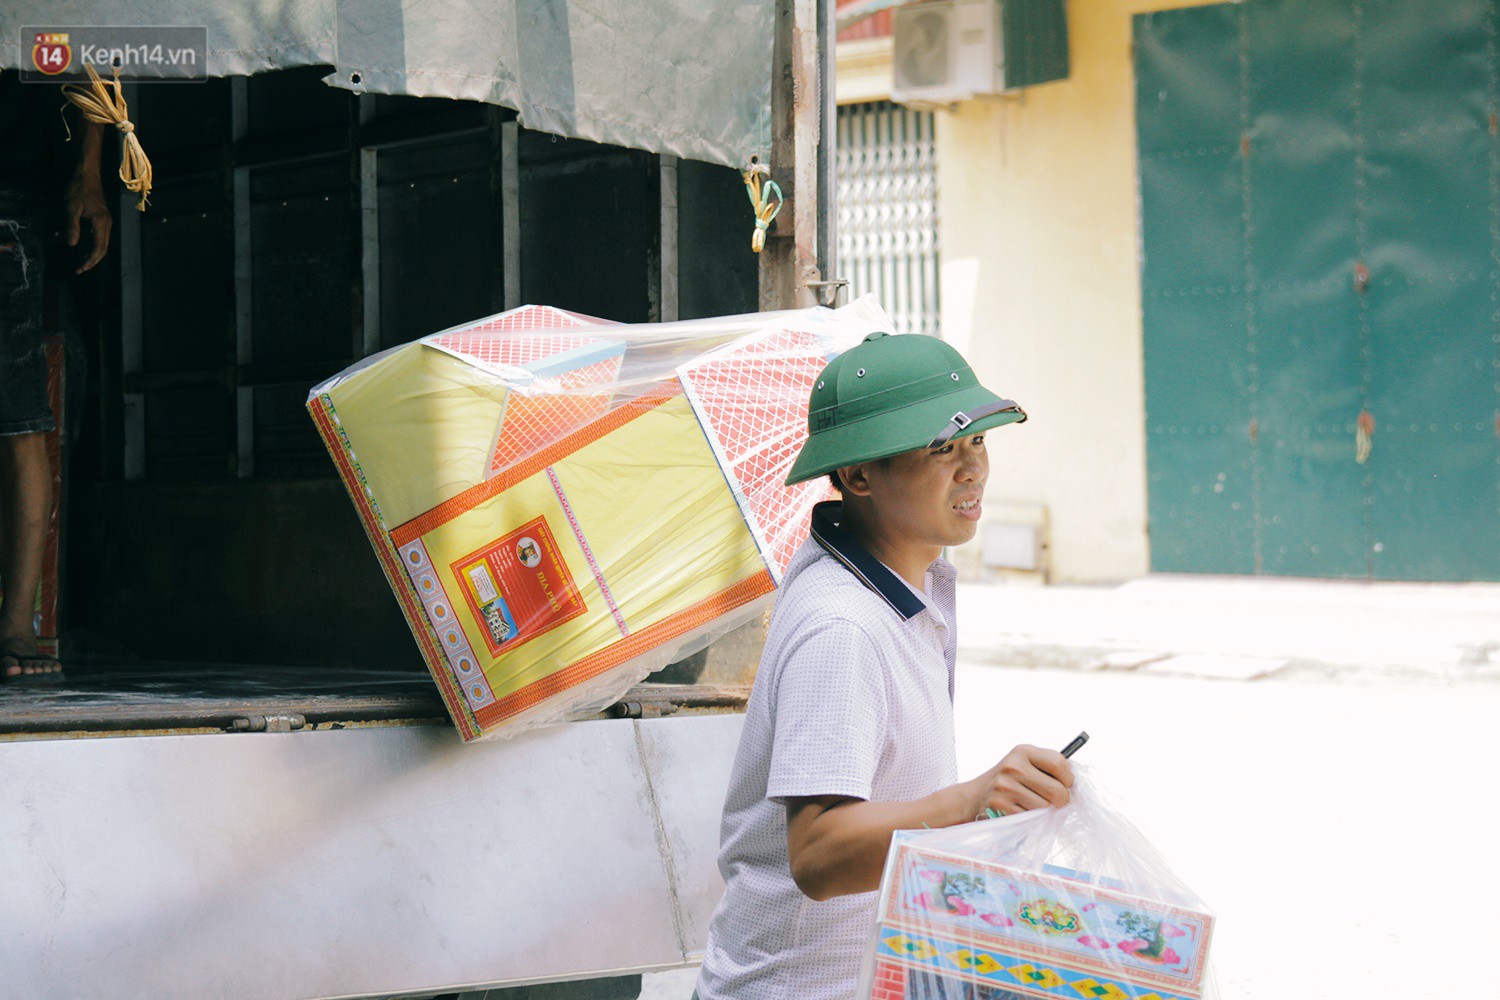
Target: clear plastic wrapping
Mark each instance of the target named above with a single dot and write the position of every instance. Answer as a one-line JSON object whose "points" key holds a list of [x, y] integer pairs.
{"points": [[1071, 902], [563, 505]]}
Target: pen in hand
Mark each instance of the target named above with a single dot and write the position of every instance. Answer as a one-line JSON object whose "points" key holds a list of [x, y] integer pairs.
{"points": [[1078, 741], [1067, 751]]}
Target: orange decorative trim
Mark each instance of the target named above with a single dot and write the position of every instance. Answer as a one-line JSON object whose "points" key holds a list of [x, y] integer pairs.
{"points": [[630, 646], [531, 465], [395, 573]]}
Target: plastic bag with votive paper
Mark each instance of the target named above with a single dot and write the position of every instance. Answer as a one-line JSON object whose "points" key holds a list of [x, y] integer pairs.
{"points": [[1072, 902]]}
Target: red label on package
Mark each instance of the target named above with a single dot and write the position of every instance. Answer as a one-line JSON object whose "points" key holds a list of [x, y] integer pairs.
{"points": [[519, 587]]}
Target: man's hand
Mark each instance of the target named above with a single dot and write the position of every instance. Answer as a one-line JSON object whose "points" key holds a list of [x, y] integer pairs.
{"points": [[1026, 778], [85, 200], [836, 845]]}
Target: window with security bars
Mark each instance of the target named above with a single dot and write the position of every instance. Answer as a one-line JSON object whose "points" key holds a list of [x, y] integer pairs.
{"points": [[887, 205]]}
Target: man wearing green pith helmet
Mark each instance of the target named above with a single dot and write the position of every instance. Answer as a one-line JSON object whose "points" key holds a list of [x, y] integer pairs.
{"points": [[849, 731]]}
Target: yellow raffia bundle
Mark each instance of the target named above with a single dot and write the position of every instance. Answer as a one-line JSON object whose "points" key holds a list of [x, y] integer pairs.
{"points": [[765, 200], [103, 101]]}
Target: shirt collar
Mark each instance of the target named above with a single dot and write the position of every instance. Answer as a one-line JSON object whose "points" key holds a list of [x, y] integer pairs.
{"points": [[843, 546]]}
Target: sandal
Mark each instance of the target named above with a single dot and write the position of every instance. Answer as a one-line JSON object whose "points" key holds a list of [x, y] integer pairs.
{"points": [[30, 670]]}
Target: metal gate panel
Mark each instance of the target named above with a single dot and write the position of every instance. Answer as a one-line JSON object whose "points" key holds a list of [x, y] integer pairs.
{"points": [[1298, 147], [1187, 103], [887, 204], [1200, 478], [1311, 510], [1197, 368], [1368, 217], [1430, 157], [1199, 400], [1298, 124]]}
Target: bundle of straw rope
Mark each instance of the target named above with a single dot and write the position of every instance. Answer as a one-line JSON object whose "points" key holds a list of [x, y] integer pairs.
{"points": [[102, 101], [765, 201]]}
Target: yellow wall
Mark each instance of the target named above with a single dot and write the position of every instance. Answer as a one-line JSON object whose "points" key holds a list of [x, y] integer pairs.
{"points": [[1041, 290]]}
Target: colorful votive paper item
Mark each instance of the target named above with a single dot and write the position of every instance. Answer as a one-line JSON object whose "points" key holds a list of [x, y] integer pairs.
{"points": [[562, 505], [950, 927]]}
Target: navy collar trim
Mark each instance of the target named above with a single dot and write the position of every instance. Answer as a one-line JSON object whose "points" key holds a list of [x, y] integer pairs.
{"points": [[870, 571]]}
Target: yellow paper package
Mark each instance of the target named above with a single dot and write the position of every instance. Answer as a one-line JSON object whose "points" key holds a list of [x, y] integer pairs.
{"points": [[563, 505]]}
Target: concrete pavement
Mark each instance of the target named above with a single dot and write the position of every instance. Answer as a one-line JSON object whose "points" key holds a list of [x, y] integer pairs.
{"points": [[1325, 789], [1238, 627], [1339, 830]]}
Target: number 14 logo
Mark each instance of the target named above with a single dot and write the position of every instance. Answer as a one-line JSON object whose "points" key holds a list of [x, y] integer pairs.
{"points": [[51, 53]]}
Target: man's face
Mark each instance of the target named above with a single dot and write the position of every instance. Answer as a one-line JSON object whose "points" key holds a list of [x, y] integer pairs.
{"points": [[931, 497]]}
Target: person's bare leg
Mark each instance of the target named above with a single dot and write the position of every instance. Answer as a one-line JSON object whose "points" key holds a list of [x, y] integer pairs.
{"points": [[25, 507]]}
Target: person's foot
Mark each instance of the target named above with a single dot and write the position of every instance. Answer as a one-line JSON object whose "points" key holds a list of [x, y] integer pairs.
{"points": [[22, 663]]}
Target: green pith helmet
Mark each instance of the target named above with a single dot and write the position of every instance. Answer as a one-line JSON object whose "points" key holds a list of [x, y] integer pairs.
{"points": [[892, 394]]}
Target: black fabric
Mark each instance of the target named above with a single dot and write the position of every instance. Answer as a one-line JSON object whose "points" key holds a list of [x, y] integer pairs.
{"points": [[871, 571], [24, 408], [33, 135]]}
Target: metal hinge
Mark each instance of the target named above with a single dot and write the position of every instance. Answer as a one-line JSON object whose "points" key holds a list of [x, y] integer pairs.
{"points": [[287, 723], [641, 709], [828, 292]]}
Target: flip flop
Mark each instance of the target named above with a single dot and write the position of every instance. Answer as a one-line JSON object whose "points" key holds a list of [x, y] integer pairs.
{"points": [[35, 676]]}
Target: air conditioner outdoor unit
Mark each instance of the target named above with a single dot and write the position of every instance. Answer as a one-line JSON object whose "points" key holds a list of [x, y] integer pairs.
{"points": [[957, 49], [946, 52]]}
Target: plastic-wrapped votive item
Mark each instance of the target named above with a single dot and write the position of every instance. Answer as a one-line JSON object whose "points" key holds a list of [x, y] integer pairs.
{"points": [[1071, 902], [563, 505]]}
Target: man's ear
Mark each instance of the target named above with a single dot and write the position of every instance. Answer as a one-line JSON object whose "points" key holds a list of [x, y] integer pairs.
{"points": [[856, 479]]}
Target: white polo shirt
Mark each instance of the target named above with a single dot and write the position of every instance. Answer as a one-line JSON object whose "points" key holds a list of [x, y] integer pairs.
{"points": [[854, 697]]}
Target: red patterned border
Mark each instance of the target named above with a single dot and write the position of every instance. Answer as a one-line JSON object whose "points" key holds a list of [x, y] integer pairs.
{"points": [[322, 409], [889, 982], [895, 915]]}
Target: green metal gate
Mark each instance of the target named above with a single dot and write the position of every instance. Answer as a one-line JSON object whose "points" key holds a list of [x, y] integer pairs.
{"points": [[1320, 199]]}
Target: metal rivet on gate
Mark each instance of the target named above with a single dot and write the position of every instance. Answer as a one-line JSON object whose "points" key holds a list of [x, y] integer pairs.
{"points": [[820, 385], [954, 376], [860, 373]]}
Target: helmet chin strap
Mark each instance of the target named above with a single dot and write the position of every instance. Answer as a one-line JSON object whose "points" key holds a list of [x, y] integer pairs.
{"points": [[962, 419]]}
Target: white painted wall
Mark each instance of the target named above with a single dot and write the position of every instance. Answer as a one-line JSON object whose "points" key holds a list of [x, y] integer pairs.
{"points": [[1038, 209]]}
